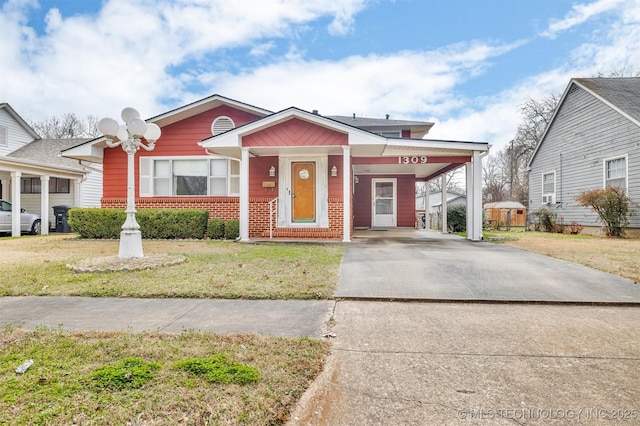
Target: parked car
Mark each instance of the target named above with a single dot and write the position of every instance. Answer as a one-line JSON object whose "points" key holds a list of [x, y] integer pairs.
{"points": [[29, 222]]}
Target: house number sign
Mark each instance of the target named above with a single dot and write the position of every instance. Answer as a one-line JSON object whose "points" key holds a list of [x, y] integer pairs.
{"points": [[412, 160]]}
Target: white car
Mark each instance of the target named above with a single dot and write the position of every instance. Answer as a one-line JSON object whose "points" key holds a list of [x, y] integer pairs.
{"points": [[29, 223]]}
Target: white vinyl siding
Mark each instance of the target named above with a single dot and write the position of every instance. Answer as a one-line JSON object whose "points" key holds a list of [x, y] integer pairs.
{"points": [[188, 177], [4, 136], [615, 172]]}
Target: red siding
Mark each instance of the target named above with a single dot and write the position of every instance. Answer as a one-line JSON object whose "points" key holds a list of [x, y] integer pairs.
{"points": [[258, 173], [335, 182], [406, 202], [295, 132], [177, 139]]}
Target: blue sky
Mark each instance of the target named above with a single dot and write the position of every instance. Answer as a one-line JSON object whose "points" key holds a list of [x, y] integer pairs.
{"points": [[466, 65]]}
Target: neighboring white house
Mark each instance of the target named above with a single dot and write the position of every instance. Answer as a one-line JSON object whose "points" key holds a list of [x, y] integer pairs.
{"points": [[33, 175], [592, 141], [434, 210]]}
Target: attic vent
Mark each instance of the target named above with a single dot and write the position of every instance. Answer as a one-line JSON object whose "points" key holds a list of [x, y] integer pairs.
{"points": [[574, 88], [4, 136], [221, 125]]}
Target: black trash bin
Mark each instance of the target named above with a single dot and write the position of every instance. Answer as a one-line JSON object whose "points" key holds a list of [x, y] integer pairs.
{"points": [[61, 213]]}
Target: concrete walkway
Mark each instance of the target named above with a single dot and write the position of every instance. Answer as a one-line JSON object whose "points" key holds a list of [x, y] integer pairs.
{"points": [[427, 265], [272, 317], [396, 363]]}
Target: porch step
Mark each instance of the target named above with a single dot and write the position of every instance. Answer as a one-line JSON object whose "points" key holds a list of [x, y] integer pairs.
{"points": [[303, 233]]}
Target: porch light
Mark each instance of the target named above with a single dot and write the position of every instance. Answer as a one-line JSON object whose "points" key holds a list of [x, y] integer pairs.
{"points": [[272, 171], [334, 171], [129, 136]]}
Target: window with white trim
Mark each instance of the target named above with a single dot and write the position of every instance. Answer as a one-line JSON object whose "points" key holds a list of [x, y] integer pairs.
{"points": [[33, 185], [548, 187], [191, 176], [615, 172], [4, 136]]}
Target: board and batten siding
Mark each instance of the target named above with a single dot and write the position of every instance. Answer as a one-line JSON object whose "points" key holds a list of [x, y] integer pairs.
{"points": [[584, 133], [17, 137]]}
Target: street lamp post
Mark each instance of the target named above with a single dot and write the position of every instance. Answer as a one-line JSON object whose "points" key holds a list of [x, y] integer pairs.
{"points": [[129, 136]]}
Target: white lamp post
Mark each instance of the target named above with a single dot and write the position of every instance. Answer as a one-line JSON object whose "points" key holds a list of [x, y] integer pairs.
{"points": [[130, 135]]}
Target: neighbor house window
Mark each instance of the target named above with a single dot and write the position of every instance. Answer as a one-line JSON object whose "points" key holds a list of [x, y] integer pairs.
{"points": [[548, 187], [615, 172], [56, 186], [4, 136], [189, 176]]}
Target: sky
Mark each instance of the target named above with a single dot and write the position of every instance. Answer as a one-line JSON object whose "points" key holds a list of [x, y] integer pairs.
{"points": [[466, 65]]}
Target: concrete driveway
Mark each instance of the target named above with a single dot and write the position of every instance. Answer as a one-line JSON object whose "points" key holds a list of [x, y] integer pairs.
{"points": [[426, 265]]}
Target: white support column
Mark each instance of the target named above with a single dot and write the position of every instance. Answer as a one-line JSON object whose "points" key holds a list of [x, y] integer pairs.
{"points": [[477, 197], [44, 205], [15, 203], [443, 193], [469, 191], [244, 195], [346, 193]]}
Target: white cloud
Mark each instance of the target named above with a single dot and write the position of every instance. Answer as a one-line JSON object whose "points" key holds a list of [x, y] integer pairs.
{"points": [[579, 14]]}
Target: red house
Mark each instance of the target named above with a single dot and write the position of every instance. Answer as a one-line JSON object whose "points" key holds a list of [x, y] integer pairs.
{"points": [[288, 174]]}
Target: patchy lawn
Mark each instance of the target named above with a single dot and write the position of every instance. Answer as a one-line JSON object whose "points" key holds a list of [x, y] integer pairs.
{"points": [[618, 256], [213, 269], [88, 378]]}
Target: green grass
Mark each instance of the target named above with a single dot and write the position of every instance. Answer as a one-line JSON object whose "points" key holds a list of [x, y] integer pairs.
{"points": [[212, 270], [136, 378]]}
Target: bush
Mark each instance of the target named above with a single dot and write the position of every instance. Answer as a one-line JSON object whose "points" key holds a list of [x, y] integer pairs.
{"points": [[215, 229], [232, 229], [612, 206], [457, 217], [546, 220], [154, 223]]}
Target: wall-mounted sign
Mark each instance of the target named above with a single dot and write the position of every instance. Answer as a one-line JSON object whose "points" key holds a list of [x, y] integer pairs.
{"points": [[412, 159]]}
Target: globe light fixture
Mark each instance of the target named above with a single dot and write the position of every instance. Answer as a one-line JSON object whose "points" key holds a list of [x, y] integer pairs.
{"points": [[130, 137]]}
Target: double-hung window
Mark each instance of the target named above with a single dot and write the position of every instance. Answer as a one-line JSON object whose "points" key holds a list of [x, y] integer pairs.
{"points": [[191, 176], [615, 172], [548, 187]]}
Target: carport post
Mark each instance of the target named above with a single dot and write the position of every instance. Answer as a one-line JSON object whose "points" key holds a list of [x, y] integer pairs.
{"points": [[15, 203], [443, 193], [44, 205], [346, 193], [476, 234]]}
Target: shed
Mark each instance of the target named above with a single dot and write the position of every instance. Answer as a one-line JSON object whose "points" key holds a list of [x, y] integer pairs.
{"points": [[505, 213]]}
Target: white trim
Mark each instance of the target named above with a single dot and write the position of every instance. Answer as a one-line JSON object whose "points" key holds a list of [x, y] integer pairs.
{"points": [[626, 170], [244, 195], [394, 219], [346, 193]]}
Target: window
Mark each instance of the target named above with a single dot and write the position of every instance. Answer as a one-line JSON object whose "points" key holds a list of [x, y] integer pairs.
{"points": [[189, 176], [33, 186], [548, 188], [615, 172], [4, 136]]}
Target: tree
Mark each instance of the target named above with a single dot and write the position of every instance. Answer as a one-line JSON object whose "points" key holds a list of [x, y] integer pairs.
{"points": [[66, 126], [494, 178]]}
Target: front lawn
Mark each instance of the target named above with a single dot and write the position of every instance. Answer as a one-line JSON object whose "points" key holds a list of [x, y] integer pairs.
{"points": [[618, 256], [213, 269], [89, 378]]}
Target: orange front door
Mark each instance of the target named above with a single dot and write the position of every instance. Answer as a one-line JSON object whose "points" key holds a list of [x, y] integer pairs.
{"points": [[303, 194]]}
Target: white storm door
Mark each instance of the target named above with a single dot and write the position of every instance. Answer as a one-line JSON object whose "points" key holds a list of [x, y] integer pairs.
{"points": [[384, 202]]}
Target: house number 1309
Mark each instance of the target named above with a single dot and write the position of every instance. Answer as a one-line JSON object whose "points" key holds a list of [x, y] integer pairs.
{"points": [[412, 160]]}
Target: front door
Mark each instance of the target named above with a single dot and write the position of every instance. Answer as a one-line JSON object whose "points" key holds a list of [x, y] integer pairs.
{"points": [[384, 202], [303, 194]]}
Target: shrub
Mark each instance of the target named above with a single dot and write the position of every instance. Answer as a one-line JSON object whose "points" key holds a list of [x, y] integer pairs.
{"points": [[546, 220], [612, 206], [215, 228], [232, 229], [130, 373], [457, 217], [575, 228], [154, 223]]}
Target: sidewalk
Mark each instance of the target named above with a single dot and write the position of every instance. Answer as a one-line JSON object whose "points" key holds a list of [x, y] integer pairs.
{"points": [[271, 317]]}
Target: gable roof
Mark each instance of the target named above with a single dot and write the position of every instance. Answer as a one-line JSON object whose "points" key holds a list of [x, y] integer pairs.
{"points": [[620, 93], [418, 128], [12, 112]]}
